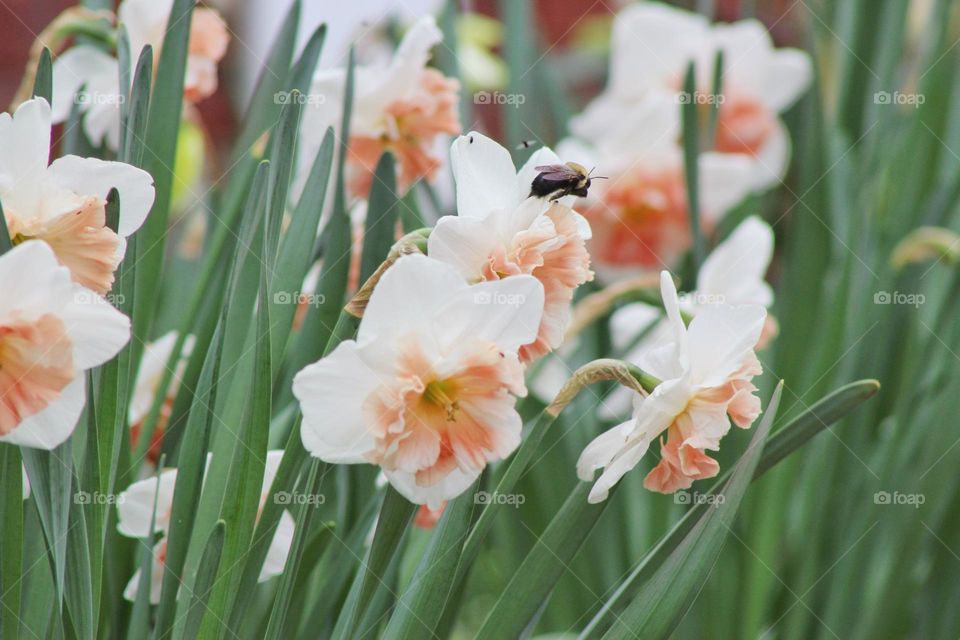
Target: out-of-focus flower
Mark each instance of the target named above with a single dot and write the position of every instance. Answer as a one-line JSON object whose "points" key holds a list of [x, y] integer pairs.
{"points": [[500, 232], [52, 331], [64, 204], [146, 23], [705, 372], [427, 390], [639, 215], [135, 510], [653, 45], [733, 274], [478, 36], [152, 368], [404, 107]]}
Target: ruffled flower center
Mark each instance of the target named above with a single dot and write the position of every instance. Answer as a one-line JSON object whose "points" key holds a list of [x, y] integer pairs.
{"points": [[429, 421], [642, 220], [744, 125], [80, 239], [36, 364]]}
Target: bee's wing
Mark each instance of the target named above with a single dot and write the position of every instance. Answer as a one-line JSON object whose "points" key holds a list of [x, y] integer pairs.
{"points": [[555, 171]]}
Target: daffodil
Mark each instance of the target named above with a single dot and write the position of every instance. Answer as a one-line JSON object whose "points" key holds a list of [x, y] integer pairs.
{"points": [[64, 204], [427, 390], [52, 331], [705, 372], [501, 232]]}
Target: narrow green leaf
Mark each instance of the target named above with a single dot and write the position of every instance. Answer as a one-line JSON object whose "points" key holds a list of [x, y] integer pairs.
{"points": [[278, 615], [206, 574], [43, 83], [422, 603], [710, 138], [11, 537], [133, 130], [79, 593], [166, 105], [380, 229], [787, 439], [6, 242], [691, 158], [51, 481], [395, 517]]}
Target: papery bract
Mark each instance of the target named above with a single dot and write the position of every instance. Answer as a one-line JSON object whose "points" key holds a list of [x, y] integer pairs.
{"points": [[427, 390]]}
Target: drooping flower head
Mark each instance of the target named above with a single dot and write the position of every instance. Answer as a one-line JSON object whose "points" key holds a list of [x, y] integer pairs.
{"points": [[640, 215], [135, 511], [404, 107], [733, 274], [652, 46], [500, 232], [64, 204], [52, 331], [705, 372], [146, 24], [427, 390]]}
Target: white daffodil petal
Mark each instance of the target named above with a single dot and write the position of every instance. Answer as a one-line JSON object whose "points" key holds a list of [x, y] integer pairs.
{"points": [[484, 173], [96, 177], [51, 426]]}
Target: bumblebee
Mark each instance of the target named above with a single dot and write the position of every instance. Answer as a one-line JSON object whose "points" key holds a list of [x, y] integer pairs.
{"points": [[558, 180]]}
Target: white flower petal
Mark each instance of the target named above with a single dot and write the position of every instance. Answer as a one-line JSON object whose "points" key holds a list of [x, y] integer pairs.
{"points": [[51, 426], [484, 173], [24, 152], [82, 66], [772, 159], [92, 176], [135, 505], [465, 243], [725, 180], [408, 295], [97, 329], [789, 74], [279, 548], [720, 338], [734, 271], [332, 392], [507, 312], [448, 488]]}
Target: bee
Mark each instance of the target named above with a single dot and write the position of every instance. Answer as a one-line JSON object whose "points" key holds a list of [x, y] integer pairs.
{"points": [[558, 180]]}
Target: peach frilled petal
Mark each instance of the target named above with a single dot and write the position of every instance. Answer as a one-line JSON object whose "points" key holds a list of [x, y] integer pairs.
{"points": [[36, 364], [84, 244]]}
